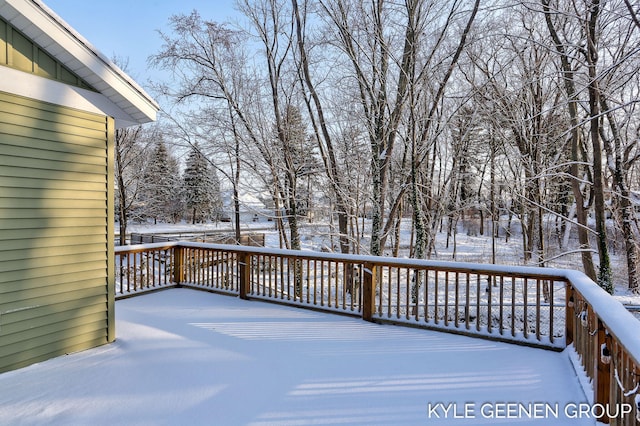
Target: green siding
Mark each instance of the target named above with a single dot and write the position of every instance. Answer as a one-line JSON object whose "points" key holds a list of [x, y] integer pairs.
{"points": [[3, 42], [21, 54], [18, 51], [56, 248], [47, 66]]}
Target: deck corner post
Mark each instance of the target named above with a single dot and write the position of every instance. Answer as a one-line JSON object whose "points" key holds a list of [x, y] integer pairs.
{"points": [[369, 285], [244, 269], [602, 371], [569, 314], [178, 264]]}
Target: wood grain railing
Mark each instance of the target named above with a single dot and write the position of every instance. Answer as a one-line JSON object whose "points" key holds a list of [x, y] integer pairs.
{"points": [[540, 307], [142, 268], [606, 339]]}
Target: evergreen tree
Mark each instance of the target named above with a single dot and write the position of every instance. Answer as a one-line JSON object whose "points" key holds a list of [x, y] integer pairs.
{"points": [[298, 166], [201, 188], [161, 182]]}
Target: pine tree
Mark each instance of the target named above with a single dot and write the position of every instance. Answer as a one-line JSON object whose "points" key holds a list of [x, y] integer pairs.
{"points": [[298, 166], [161, 182], [201, 188]]}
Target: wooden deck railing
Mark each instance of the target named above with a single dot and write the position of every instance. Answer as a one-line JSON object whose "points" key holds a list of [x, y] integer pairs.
{"points": [[547, 308], [606, 338]]}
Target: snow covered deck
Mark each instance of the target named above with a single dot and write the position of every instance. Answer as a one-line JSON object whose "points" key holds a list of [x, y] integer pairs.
{"points": [[189, 357]]}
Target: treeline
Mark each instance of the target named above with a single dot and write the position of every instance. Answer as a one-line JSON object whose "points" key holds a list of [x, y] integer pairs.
{"points": [[151, 187], [430, 109]]}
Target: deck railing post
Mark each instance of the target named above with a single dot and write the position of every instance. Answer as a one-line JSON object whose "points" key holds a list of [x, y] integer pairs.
{"points": [[244, 275], [178, 264], [602, 372], [569, 314], [369, 285]]}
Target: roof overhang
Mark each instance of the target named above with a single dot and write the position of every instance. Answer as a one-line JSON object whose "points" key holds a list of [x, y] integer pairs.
{"points": [[131, 105]]}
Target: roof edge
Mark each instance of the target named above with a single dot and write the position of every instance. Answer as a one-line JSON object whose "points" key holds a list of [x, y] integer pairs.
{"points": [[121, 87]]}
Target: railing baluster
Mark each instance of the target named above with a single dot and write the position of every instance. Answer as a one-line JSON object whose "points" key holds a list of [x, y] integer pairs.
{"points": [[269, 271], [380, 291], [525, 316], [308, 281], [202, 261], [155, 268], [135, 271], [457, 300], [538, 307], [195, 278], [205, 281], [446, 298], [501, 305], [354, 286], [426, 295], [397, 295], [336, 281], [513, 307], [345, 276], [436, 296], [552, 311], [388, 294], [264, 271], [214, 270], [120, 274], [408, 293], [315, 282], [467, 299], [261, 266], [280, 288], [329, 274], [360, 282], [490, 282], [322, 274], [478, 299]]}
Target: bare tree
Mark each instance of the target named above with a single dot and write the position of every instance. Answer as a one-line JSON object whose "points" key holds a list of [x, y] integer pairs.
{"points": [[320, 126], [412, 114], [362, 36], [130, 157], [568, 79], [592, 16], [209, 65], [620, 38]]}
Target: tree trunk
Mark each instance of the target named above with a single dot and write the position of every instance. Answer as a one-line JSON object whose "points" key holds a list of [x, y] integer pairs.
{"points": [[574, 169], [604, 275], [322, 133], [623, 200], [122, 210]]}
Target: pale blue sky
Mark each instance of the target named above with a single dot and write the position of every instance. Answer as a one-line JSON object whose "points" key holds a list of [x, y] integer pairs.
{"points": [[128, 28]]}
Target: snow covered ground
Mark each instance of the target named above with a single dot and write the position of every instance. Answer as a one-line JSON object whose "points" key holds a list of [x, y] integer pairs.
{"points": [[189, 357]]}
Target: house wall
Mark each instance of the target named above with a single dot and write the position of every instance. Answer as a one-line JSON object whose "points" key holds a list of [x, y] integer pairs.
{"points": [[56, 232]]}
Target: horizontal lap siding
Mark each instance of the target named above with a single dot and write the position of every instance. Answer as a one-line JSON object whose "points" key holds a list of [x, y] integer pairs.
{"points": [[54, 231]]}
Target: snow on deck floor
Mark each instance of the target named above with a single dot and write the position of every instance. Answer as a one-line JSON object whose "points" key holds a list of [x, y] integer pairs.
{"points": [[189, 357]]}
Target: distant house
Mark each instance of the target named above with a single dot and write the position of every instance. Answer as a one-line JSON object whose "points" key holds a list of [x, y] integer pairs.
{"points": [[60, 103]]}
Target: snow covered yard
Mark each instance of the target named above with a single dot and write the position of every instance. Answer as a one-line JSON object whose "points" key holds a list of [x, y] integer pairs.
{"points": [[189, 357]]}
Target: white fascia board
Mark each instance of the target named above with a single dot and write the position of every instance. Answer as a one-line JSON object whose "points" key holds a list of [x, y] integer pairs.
{"points": [[85, 57], [46, 90]]}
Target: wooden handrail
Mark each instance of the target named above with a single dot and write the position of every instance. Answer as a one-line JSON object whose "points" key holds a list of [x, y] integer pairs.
{"points": [[541, 307], [606, 338]]}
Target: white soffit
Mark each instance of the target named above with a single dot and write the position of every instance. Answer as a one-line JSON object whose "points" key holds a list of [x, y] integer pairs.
{"points": [[51, 33]]}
